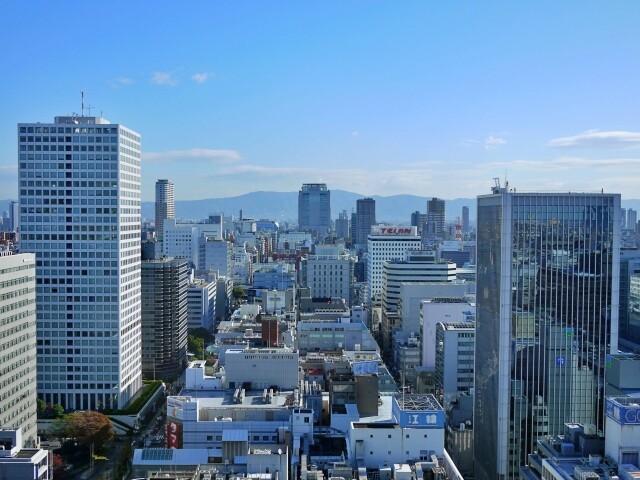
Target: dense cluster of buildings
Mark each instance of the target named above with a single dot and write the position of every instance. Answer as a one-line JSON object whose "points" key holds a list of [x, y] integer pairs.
{"points": [[504, 348]]}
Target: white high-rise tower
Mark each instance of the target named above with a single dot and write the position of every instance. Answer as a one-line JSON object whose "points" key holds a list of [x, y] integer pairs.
{"points": [[80, 214]]}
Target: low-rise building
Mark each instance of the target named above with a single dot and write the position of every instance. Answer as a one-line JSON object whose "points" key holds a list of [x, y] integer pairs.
{"points": [[17, 462]]}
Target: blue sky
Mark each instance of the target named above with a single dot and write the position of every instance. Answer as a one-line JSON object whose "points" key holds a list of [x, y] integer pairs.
{"points": [[425, 98]]}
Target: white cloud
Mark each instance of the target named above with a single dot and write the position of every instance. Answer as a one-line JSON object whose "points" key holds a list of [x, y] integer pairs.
{"points": [[599, 140], [163, 78], [121, 82], [493, 142], [193, 154], [201, 77]]}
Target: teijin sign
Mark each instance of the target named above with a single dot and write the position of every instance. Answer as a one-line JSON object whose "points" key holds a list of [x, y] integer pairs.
{"points": [[394, 231]]}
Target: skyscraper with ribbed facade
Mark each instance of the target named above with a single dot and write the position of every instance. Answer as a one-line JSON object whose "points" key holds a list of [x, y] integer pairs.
{"points": [[547, 318], [165, 205], [80, 214], [18, 344]]}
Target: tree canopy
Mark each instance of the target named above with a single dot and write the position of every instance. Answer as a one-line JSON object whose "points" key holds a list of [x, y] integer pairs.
{"points": [[86, 428]]}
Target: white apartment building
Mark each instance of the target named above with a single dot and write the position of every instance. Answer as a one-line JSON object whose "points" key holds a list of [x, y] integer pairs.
{"points": [[455, 344], [80, 214], [385, 243], [329, 273], [18, 344], [182, 240], [441, 310], [201, 303]]}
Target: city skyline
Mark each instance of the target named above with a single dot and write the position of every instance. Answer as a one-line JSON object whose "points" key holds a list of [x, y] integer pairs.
{"points": [[430, 100]]}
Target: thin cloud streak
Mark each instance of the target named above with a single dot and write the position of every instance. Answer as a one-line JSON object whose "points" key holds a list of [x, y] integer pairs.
{"points": [[193, 155], [163, 78], [597, 139], [201, 77], [492, 142]]}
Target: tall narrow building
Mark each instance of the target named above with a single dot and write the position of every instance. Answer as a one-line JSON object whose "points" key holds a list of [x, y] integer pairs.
{"points": [[547, 318], [465, 219], [314, 208], [80, 214], [165, 205], [164, 317], [18, 344], [365, 219], [435, 218]]}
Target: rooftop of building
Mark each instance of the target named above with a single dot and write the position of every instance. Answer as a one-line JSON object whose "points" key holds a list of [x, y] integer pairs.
{"points": [[252, 399]]}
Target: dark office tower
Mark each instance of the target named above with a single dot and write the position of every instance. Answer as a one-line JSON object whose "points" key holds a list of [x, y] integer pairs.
{"points": [[365, 218], [419, 220], [548, 272], [164, 317], [352, 226], [629, 338], [435, 218], [165, 206], [632, 219], [314, 208], [465, 219], [342, 225]]}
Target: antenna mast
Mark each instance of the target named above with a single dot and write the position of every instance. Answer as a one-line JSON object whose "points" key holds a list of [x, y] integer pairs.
{"points": [[82, 96]]}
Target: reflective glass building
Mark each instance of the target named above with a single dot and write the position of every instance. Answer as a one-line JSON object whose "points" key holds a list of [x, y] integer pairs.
{"points": [[547, 317]]}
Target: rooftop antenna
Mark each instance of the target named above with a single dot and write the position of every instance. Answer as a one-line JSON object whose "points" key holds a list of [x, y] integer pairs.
{"points": [[89, 107], [82, 96]]}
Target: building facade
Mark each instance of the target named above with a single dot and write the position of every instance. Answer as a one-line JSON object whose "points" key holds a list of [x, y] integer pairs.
{"points": [[164, 317], [314, 208], [18, 344], [165, 205], [80, 213], [541, 352], [365, 219], [435, 217], [386, 243], [201, 303]]}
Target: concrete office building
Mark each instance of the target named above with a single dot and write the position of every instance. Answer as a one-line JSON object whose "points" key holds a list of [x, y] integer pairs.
{"points": [[342, 225], [18, 344], [314, 208], [329, 273], [541, 354], [454, 368], [182, 240], [165, 206], [80, 214], [20, 463], [164, 317], [201, 303], [215, 255], [386, 243], [365, 219], [435, 218]]}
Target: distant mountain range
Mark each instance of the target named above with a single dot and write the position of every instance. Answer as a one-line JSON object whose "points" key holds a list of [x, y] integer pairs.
{"points": [[283, 206]]}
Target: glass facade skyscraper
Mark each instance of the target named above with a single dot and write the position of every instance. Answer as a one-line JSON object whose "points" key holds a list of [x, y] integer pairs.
{"points": [[547, 317], [314, 208]]}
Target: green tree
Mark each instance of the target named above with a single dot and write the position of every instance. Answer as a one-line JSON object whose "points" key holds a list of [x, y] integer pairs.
{"points": [[237, 292], [195, 345], [202, 333]]}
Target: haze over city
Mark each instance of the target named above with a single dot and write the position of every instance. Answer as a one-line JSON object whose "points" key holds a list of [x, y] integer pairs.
{"points": [[431, 99]]}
